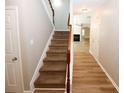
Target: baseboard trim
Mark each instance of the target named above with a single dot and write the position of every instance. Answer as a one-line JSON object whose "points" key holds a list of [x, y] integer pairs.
{"points": [[40, 63], [104, 70]]}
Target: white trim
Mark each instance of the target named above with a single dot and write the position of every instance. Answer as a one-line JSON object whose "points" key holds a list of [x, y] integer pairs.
{"points": [[20, 57], [45, 6], [27, 92], [72, 63], [40, 63], [66, 78], [104, 70], [33, 90]]}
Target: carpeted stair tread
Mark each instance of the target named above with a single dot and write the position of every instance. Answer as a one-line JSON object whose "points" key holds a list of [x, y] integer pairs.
{"points": [[61, 32], [59, 41], [51, 80], [56, 48], [58, 45], [55, 59], [57, 51], [56, 66], [57, 54], [49, 91], [60, 37]]}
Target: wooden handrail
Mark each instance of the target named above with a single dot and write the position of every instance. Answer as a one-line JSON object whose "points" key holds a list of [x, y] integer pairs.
{"points": [[69, 36], [51, 6], [69, 20], [68, 55]]}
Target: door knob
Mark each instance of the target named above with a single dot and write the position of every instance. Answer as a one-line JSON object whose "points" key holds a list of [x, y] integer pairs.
{"points": [[14, 59]]}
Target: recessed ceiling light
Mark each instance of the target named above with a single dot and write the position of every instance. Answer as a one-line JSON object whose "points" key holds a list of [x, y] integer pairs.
{"points": [[84, 10], [57, 3]]}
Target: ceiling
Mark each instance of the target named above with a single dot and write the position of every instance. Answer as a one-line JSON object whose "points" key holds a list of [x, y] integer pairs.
{"points": [[91, 5]]}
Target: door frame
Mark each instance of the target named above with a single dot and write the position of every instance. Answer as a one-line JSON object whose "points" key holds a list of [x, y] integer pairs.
{"points": [[20, 83]]}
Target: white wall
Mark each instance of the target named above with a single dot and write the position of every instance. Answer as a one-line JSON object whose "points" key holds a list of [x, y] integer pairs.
{"points": [[81, 19], [86, 32], [77, 29], [61, 15], [109, 44], [48, 8], [35, 29], [94, 34], [104, 38]]}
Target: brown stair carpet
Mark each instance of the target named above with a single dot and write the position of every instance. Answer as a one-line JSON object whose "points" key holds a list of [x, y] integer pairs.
{"points": [[55, 59], [57, 51], [53, 72], [58, 66], [51, 79]]}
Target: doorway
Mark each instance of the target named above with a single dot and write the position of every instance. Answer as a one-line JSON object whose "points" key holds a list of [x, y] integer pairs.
{"points": [[82, 30]]}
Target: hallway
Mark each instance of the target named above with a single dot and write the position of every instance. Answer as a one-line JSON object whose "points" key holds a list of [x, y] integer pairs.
{"points": [[88, 77], [39, 54]]}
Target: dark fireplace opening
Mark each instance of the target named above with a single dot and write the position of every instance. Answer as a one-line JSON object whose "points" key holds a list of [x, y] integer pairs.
{"points": [[76, 37]]}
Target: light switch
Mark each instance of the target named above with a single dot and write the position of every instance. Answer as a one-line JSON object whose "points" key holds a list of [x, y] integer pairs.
{"points": [[31, 42]]}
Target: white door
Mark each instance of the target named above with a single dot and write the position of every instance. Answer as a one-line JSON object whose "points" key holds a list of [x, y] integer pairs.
{"points": [[13, 76]]}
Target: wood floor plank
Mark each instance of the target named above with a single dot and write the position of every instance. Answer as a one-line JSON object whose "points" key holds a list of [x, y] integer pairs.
{"points": [[88, 77]]}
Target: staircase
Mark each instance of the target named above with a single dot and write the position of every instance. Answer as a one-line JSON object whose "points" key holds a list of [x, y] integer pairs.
{"points": [[53, 73]]}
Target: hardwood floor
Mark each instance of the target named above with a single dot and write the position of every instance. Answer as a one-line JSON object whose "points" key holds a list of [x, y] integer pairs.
{"points": [[88, 77]]}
